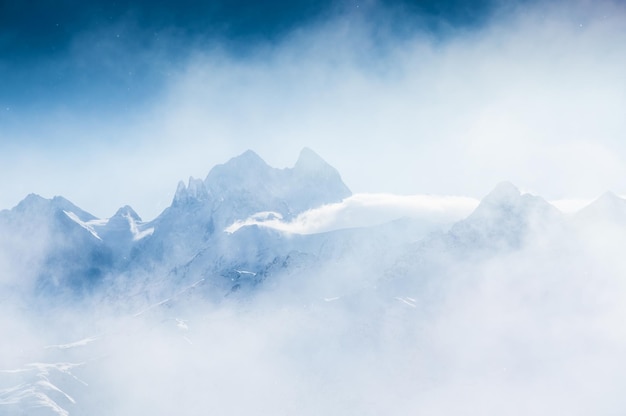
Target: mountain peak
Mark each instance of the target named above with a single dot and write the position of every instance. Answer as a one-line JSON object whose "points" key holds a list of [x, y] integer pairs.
{"points": [[308, 160], [195, 190], [31, 204], [247, 158], [181, 192], [506, 197], [607, 207], [504, 218], [34, 203], [127, 211], [30, 200], [504, 192], [608, 201], [240, 171], [610, 197]]}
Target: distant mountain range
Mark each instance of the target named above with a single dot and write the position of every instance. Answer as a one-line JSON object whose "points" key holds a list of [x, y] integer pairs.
{"points": [[98, 313], [51, 246]]}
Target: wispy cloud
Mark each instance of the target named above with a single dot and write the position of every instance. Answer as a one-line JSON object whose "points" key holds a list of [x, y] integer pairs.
{"points": [[531, 96], [362, 210]]}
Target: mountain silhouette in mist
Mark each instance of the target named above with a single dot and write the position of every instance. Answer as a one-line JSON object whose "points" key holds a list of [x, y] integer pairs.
{"points": [[54, 246]]}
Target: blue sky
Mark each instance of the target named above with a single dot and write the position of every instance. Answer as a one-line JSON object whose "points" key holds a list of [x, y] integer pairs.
{"points": [[99, 55], [111, 103]]}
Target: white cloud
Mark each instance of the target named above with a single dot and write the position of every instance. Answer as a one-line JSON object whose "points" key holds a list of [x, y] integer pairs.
{"points": [[533, 331], [361, 210], [365, 210], [532, 97]]}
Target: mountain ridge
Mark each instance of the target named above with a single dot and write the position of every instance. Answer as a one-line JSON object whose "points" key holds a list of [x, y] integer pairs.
{"points": [[186, 241]]}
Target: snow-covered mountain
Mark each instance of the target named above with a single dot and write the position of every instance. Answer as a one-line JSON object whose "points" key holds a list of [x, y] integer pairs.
{"points": [[503, 219], [608, 208], [60, 246], [51, 244], [180, 295], [246, 185], [76, 247], [188, 239]]}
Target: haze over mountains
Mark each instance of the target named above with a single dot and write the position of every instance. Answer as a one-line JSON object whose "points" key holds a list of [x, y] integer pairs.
{"points": [[77, 251], [120, 311]]}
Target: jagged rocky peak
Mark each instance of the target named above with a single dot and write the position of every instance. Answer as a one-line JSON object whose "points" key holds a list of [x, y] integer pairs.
{"points": [[181, 190], [194, 191], [246, 185]]}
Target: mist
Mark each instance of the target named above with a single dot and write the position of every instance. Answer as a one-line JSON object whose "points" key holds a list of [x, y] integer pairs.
{"points": [[529, 96], [530, 329], [395, 310]]}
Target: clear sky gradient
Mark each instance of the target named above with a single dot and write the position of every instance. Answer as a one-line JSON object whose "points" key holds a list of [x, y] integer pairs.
{"points": [[112, 103]]}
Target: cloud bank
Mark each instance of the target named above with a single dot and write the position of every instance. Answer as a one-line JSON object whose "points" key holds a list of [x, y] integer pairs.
{"points": [[364, 210], [535, 95], [533, 330]]}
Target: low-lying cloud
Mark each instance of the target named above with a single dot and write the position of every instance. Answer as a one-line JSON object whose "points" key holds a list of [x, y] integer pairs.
{"points": [[536, 96], [363, 210], [534, 330]]}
